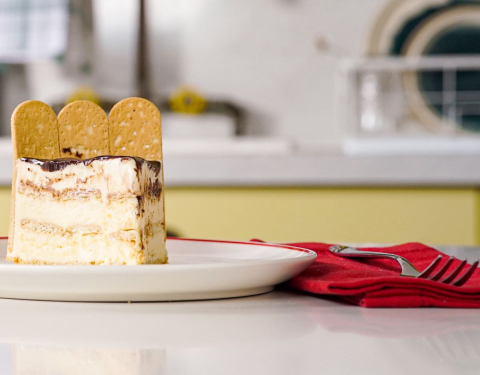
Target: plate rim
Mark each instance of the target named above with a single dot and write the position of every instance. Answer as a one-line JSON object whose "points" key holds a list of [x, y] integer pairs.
{"points": [[309, 255]]}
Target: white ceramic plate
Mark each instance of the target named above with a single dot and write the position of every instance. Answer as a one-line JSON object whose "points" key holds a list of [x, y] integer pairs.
{"points": [[197, 269]]}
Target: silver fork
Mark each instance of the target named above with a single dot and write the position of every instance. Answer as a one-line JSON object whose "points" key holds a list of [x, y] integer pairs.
{"points": [[408, 269]]}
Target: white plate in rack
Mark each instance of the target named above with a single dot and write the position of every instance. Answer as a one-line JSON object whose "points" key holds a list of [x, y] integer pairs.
{"points": [[197, 269]]}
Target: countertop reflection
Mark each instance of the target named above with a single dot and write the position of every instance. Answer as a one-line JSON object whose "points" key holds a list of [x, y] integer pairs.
{"points": [[276, 333]]}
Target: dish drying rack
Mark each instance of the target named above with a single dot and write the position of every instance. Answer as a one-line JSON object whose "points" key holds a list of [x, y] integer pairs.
{"points": [[410, 105]]}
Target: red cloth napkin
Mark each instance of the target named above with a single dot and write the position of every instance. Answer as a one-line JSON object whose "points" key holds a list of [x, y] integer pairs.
{"points": [[375, 282]]}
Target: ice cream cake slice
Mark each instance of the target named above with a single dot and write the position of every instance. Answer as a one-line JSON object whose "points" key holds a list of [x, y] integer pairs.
{"points": [[102, 210]]}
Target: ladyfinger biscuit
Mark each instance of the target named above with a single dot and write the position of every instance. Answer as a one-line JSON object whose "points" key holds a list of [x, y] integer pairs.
{"points": [[34, 131], [135, 129], [83, 130], [34, 134]]}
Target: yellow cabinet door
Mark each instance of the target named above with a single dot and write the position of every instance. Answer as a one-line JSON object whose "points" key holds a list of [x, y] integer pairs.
{"points": [[276, 214], [379, 215]]}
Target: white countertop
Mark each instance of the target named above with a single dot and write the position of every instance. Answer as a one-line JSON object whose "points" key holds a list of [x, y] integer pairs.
{"points": [[275, 333], [264, 162]]}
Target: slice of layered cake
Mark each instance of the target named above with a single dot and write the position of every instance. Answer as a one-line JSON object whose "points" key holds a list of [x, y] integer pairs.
{"points": [[104, 207], [105, 210]]}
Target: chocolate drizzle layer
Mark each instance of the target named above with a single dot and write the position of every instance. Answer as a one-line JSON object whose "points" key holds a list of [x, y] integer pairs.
{"points": [[68, 150], [60, 164]]}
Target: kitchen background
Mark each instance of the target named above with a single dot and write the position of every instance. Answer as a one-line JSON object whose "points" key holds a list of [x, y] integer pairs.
{"points": [[286, 120]]}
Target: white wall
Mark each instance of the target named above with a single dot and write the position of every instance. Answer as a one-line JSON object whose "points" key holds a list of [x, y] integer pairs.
{"points": [[263, 55], [259, 53]]}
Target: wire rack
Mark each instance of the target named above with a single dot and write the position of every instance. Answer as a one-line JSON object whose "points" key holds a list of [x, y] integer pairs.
{"points": [[395, 96]]}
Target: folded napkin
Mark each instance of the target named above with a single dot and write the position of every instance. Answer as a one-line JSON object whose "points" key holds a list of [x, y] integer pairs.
{"points": [[375, 282]]}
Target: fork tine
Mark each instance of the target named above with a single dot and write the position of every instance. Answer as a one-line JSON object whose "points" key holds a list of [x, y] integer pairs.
{"points": [[427, 271], [454, 274], [466, 276], [442, 270]]}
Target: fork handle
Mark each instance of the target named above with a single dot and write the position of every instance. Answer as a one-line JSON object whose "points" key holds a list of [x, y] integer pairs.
{"points": [[350, 252]]}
